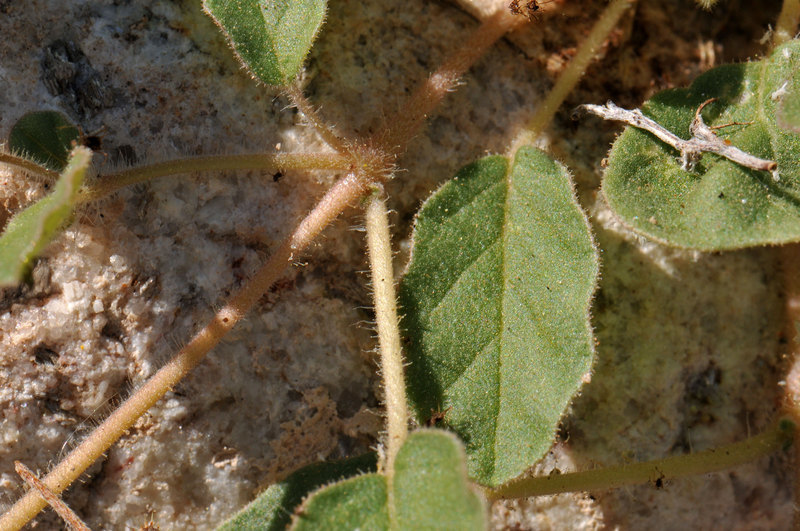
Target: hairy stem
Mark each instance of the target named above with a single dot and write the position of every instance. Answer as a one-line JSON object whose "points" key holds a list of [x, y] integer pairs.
{"points": [[400, 128], [29, 166], [108, 184], [573, 73], [786, 25], [342, 194], [379, 243], [380, 262], [720, 458]]}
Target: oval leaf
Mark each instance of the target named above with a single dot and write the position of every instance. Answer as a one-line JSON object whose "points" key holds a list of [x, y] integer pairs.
{"points": [[30, 230], [430, 492], [45, 137], [496, 304], [357, 503], [720, 204], [270, 37], [430, 485], [272, 509]]}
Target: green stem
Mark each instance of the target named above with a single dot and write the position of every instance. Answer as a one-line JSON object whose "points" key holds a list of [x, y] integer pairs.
{"points": [[786, 25], [573, 73], [714, 460], [108, 184], [29, 166]]}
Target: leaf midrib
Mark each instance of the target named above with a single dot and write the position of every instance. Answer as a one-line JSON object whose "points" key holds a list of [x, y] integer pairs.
{"points": [[501, 327], [471, 263], [269, 42]]}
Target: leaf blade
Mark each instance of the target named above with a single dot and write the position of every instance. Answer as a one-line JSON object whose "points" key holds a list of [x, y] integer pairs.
{"points": [[31, 229], [270, 37], [474, 307], [722, 205], [355, 503], [430, 491], [45, 137], [430, 485], [789, 109], [272, 509]]}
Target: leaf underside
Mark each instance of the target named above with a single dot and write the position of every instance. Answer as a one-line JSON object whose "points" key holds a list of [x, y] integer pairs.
{"points": [[272, 509], [30, 230], [496, 309], [430, 492], [270, 37], [720, 204]]}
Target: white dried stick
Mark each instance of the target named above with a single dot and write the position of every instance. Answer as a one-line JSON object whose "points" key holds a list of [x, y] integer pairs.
{"points": [[704, 139]]}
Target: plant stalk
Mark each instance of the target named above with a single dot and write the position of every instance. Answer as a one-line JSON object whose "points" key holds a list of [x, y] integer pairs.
{"points": [[109, 184], [401, 127], [714, 460], [342, 194], [379, 243], [380, 260], [29, 166], [572, 73], [786, 25]]}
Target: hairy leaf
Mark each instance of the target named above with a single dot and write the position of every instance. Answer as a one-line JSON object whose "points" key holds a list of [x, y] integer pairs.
{"points": [[496, 309], [273, 508], [356, 503], [270, 37], [45, 137], [430, 492], [720, 204], [430, 485], [30, 230], [789, 109]]}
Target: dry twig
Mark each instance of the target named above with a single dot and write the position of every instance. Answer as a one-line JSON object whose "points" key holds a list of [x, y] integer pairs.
{"points": [[63, 510], [704, 139]]}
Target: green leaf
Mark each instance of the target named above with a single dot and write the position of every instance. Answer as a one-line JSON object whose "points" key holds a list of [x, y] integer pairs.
{"points": [[30, 230], [496, 309], [789, 109], [272, 509], [720, 205], [271, 38], [430, 492], [430, 485], [357, 503], [45, 137]]}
